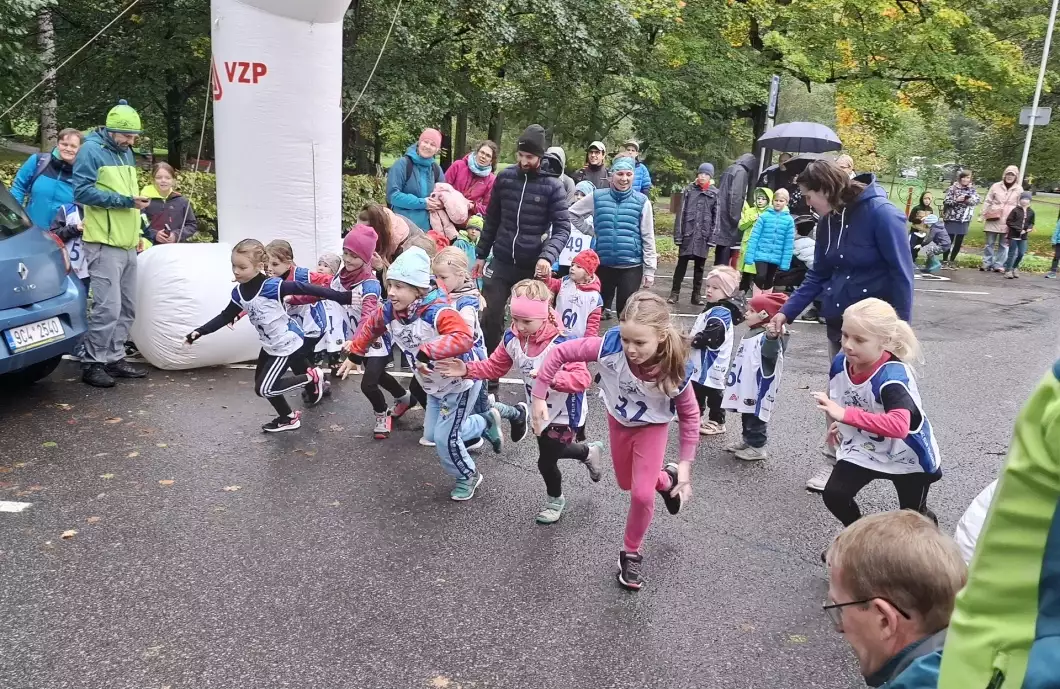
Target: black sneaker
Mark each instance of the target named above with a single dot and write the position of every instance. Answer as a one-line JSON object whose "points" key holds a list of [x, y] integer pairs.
{"points": [[629, 570], [131, 349], [283, 423], [673, 503], [608, 314], [123, 369], [96, 376], [518, 424], [696, 300]]}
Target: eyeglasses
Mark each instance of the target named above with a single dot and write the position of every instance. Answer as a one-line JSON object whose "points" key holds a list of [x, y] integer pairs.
{"points": [[835, 610]]}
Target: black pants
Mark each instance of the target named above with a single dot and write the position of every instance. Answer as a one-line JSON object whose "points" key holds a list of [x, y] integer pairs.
{"points": [[848, 479], [269, 384], [304, 359], [1056, 258], [956, 240], [496, 288], [745, 281], [619, 284], [375, 374], [418, 393], [722, 254], [699, 263], [556, 443], [754, 430], [765, 274], [709, 400]]}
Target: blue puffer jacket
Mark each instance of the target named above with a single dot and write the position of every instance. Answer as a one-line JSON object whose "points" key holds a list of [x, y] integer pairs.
{"points": [[407, 193], [616, 221], [772, 238], [51, 190], [641, 178], [861, 251]]}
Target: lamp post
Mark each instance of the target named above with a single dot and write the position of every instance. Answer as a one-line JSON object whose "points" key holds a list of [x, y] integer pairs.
{"points": [[1038, 91]]}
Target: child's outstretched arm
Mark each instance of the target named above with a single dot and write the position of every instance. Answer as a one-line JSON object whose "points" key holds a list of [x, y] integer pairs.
{"points": [[900, 417], [572, 377], [371, 329], [322, 279], [687, 424], [584, 349], [228, 315], [498, 363], [554, 284]]}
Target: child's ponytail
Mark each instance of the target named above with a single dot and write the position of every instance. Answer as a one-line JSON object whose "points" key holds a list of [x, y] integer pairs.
{"points": [[904, 344], [879, 318], [650, 310]]}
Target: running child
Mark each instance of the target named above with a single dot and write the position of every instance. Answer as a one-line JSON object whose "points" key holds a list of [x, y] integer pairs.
{"points": [[262, 299], [426, 327], [534, 333], [879, 424], [752, 383], [336, 331], [711, 352], [578, 297], [643, 380]]}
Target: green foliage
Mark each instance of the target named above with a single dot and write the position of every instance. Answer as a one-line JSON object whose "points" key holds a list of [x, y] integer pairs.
{"points": [[358, 190]]}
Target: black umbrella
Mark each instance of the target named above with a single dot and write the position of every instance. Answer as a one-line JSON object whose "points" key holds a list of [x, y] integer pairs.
{"points": [[801, 137], [794, 166]]}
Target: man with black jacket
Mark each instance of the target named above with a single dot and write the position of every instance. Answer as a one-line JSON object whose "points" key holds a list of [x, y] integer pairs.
{"points": [[526, 227]]}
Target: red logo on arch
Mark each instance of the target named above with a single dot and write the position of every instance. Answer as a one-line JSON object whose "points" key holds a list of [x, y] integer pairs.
{"points": [[215, 81]]}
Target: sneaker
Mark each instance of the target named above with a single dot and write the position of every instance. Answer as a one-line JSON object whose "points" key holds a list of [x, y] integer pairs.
{"points": [[131, 349], [827, 450], [315, 385], [402, 405], [592, 460], [518, 426], [810, 314], [96, 376], [672, 299], [1051, 275], [673, 503], [427, 443], [629, 570], [735, 447], [608, 314], [123, 369], [465, 488], [552, 512], [711, 428], [493, 431], [818, 481], [982, 269], [751, 454], [283, 423], [696, 300], [327, 389], [999, 269], [1015, 274], [1009, 275], [476, 444], [382, 426]]}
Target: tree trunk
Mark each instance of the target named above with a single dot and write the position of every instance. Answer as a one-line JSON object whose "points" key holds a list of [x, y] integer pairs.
{"points": [[174, 114], [49, 124], [377, 150], [460, 139], [496, 125], [363, 163], [447, 141]]}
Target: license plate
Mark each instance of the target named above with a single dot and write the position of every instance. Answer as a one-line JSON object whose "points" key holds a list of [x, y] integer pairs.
{"points": [[34, 335]]}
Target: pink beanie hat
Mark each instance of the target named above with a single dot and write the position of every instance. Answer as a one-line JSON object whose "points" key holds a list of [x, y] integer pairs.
{"points": [[361, 242], [431, 136]]}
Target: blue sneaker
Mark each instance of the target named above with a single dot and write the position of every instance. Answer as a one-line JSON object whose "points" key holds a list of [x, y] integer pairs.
{"points": [[1051, 275], [493, 430], [465, 487]]}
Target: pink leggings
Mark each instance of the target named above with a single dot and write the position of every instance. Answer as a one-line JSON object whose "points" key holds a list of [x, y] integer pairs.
{"points": [[638, 455]]}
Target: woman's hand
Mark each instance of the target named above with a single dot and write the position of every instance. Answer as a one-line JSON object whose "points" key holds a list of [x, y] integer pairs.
{"points": [[539, 415], [451, 368], [776, 325], [829, 407], [648, 281], [433, 204], [683, 487], [377, 261]]}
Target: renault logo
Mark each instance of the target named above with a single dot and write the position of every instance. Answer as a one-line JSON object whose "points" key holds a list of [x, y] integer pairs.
{"points": [[23, 271]]}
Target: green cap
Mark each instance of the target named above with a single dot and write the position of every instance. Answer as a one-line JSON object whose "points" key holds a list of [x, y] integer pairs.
{"points": [[122, 119]]}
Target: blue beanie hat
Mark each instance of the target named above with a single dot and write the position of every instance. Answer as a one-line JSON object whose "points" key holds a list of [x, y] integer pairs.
{"points": [[586, 187], [412, 267], [623, 163], [706, 169]]}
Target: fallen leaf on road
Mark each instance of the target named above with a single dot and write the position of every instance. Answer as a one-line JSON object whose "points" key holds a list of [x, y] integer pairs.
{"points": [[64, 407], [335, 427], [50, 443], [219, 509], [797, 638], [307, 453], [440, 682], [112, 419], [133, 454], [232, 489], [19, 465], [93, 520], [5, 470], [336, 503], [161, 445], [106, 476], [166, 482], [69, 533], [72, 422], [101, 454]]}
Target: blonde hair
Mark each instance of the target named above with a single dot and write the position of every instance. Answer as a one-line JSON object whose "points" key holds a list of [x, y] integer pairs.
{"points": [[781, 193], [252, 249], [281, 250], [650, 310], [532, 289], [453, 257], [426, 243], [878, 318], [903, 557]]}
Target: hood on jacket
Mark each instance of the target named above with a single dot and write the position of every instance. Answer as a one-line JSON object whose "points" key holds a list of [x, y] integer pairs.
{"points": [[551, 163], [768, 194], [102, 136], [736, 305], [559, 152], [152, 192], [1014, 170]]}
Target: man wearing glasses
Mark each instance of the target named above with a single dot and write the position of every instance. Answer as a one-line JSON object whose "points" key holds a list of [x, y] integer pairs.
{"points": [[892, 581]]}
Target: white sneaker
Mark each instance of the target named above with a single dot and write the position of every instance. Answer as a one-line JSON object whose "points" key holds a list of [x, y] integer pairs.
{"points": [[476, 444], [711, 428], [426, 443], [820, 479]]}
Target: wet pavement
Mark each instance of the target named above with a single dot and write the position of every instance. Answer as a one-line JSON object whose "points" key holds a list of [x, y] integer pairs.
{"points": [[207, 554]]}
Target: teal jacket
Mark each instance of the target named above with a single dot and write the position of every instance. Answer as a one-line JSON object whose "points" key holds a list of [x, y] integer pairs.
{"points": [[409, 182], [616, 222], [1056, 233], [915, 667], [772, 239], [105, 183]]}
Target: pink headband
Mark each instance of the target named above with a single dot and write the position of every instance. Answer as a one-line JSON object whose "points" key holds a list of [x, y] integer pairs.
{"points": [[525, 307]]}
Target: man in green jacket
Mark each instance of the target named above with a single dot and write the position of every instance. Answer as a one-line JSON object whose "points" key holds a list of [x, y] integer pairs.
{"points": [[105, 183]]}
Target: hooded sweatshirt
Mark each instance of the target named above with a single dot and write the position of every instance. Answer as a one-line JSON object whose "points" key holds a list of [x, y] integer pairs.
{"points": [[409, 182], [105, 183], [1000, 201], [170, 211], [862, 251], [568, 183], [43, 193]]}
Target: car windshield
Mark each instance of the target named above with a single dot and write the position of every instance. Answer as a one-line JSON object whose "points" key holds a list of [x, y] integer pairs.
{"points": [[13, 219]]}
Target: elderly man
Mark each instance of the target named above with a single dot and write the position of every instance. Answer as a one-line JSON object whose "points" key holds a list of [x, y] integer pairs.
{"points": [[892, 581], [105, 183]]}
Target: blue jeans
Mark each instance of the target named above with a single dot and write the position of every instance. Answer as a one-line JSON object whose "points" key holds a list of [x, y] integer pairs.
{"points": [[994, 251], [449, 423], [1016, 249]]}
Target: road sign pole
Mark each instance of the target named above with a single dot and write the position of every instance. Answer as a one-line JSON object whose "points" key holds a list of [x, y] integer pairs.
{"points": [[1038, 91]]}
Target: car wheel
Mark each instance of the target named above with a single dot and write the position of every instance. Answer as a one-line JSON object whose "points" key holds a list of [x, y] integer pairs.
{"points": [[31, 374]]}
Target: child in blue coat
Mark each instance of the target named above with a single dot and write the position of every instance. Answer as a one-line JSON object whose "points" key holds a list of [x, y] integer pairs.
{"points": [[1056, 251], [772, 242]]}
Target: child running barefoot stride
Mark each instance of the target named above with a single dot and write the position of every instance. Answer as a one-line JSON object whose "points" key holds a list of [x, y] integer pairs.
{"points": [[262, 298], [534, 333], [751, 385], [712, 336], [424, 324], [879, 425], [643, 380]]}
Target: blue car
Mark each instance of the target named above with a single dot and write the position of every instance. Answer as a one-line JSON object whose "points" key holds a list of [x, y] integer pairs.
{"points": [[42, 302]]}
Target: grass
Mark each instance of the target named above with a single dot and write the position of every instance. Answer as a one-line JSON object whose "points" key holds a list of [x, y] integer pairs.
{"points": [[1045, 211]]}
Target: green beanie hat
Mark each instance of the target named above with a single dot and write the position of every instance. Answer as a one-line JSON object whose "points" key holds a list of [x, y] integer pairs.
{"points": [[122, 119]]}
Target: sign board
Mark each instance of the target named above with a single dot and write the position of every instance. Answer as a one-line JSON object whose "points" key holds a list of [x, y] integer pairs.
{"points": [[1041, 118], [774, 92]]}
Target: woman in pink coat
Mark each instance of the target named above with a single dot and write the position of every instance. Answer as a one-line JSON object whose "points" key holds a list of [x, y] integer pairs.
{"points": [[473, 176], [1000, 200]]}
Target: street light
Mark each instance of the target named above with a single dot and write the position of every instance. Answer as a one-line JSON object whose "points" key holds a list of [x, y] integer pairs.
{"points": [[1038, 91]]}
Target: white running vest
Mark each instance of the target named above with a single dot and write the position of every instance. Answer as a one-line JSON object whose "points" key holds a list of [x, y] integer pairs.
{"points": [[917, 452], [564, 409], [279, 334], [409, 336], [630, 400], [310, 317], [709, 366], [352, 313], [747, 389], [576, 243], [575, 306]]}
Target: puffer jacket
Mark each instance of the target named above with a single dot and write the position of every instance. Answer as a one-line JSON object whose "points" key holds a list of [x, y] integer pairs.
{"points": [[642, 178], [409, 182], [1001, 198], [772, 239], [616, 222], [695, 224], [527, 219]]}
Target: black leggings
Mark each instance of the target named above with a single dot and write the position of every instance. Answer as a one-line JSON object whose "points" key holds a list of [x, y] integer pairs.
{"points": [[765, 274], [1056, 258], [709, 400], [554, 444], [269, 384], [722, 254], [375, 374], [956, 240], [619, 284], [698, 264], [848, 479], [301, 363], [745, 281], [418, 393]]}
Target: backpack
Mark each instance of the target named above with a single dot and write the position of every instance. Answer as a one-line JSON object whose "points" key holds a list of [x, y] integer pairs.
{"points": [[411, 167]]}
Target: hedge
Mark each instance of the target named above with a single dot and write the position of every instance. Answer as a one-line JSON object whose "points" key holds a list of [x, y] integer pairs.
{"points": [[201, 189]]}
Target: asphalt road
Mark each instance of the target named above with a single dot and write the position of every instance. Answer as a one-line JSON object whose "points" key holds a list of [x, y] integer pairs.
{"points": [[340, 561]]}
